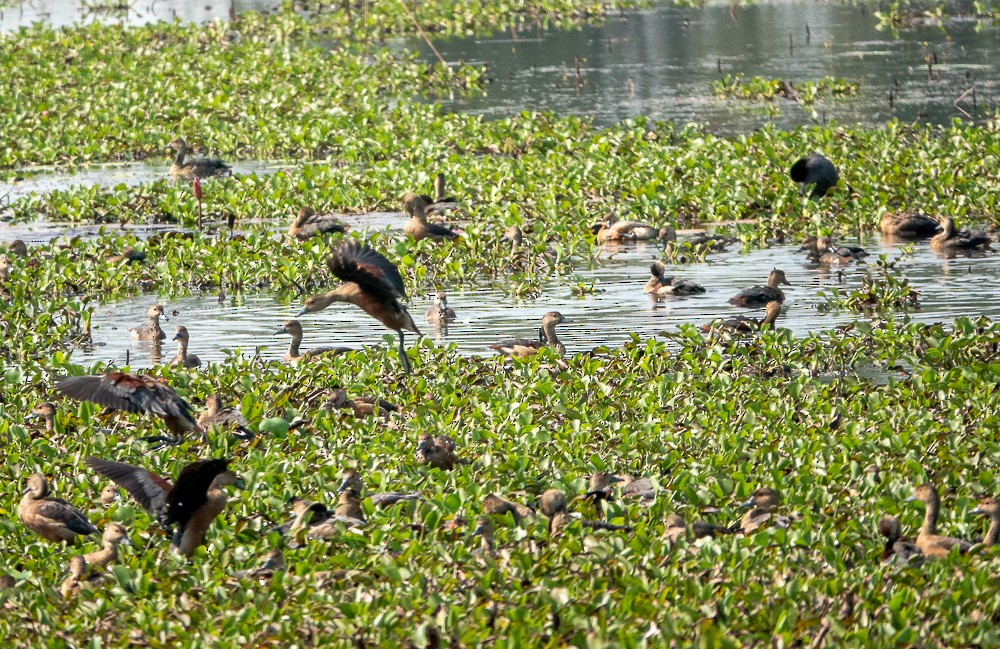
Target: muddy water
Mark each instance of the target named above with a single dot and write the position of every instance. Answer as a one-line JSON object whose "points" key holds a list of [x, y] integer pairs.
{"points": [[605, 317], [661, 63]]}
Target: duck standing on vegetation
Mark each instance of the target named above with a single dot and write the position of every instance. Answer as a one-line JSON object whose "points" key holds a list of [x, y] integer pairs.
{"points": [[372, 283], [191, 168], [319, 522], [908, 225], [493, 504], [659, 284], [928, 540], [354, 484], [418, 227], [757, 296], [952, 240], [294, 329], [363, 406], [763, 504], [991, 507], [743, 324], [52, 519], [815, 170], [440, 313], [522, 347], [308, 224], [192, 503], [897, 549], [437, 453], [114, 534], [152, 331], [183, 358], [47, 413], [614, 229], [218, 415], [70, 587], [138, 393]]}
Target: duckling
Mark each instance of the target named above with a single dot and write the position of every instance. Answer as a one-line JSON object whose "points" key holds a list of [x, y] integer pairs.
{"points": [[114, 534], [908, 225], [522, 347], [757, 296], [191, 168], [136, 393], [815, 170], [660, 285], [897, 550], [440, 313], [361, 406], [742, 324], [152, 331], [991, 507], [951, 240], [183, 358], [418, 227], [47, 413], [437, 453], [763, 503], [70, 587], [110, 494], [308, 224], [614, 229], [493, 504], [52, 519], [821, 251], [18, 248], [929, 542], [354, 484], [294, 329]]}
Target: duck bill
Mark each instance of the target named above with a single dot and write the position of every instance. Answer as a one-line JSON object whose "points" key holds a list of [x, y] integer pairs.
{"points": [[303, 311], [280, 331]]}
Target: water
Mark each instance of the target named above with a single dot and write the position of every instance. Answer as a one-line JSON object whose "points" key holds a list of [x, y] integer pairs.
{"points": [[63, 13], [661, 63], [607, 317]]}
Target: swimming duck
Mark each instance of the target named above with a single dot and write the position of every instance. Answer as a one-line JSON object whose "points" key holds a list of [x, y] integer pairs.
{"points": [[714, 242], [440, 313], [294, 329], [757, 296], [353, 483], [362, 406], [138, 393], [815, 170], [928, 540], [614, 229], [191, 503], [908, 225], [493, 504], [183, 358], [47, 413], [370, 282], [191, 168], [522, 347], [762, 503], [897, 550], [743, 324], [114, 534], [52, 519], [660, 285], [18, 248], [991, 507], [951, 240], [822, 251], [308, 224], [437, 453], [418, 227], [152, 331]]}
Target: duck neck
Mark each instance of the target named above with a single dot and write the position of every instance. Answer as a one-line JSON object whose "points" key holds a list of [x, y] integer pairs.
{"points": [[769, 318], [50, 424], [549, 328], [993, 534], [930, 516], [179, 156], [182, 348], [439, 187], [293, 346]]}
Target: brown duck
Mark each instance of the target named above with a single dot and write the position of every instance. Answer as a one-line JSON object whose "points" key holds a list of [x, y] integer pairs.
{"points": [[191, 168], [523, 347], [183, 358], [190, 504], [493, 504], [928, 540], [757, 296], [152, 331], [53, 519], [354, 485], [743, 324], [897, 550], [660, 285], [417, 227], [440, 313], [114, 534], [908, 225], [614, 229], [47, 413], [763, 504], [308, 224], [952, 240], [437, 453], [991, 507], [363, 406], [294, 329]]}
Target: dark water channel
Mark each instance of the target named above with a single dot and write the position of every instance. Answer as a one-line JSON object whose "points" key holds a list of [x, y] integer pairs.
{"points": [[661, 63]]}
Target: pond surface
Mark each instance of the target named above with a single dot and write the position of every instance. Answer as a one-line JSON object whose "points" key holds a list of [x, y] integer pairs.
{"points": [[606, 317], [661, 63], [63, 13]]}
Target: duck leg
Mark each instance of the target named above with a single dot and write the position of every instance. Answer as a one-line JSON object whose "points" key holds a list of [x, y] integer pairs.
{"points": [[402, 354]]}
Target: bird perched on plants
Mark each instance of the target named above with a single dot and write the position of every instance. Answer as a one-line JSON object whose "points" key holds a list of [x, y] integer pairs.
{"points": [[53, 519], [816, 170]]}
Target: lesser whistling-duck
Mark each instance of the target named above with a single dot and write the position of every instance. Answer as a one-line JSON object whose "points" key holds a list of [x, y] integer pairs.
{"points": [[522, 347], [294, 329], [928, 540], [219, 415], [370, 282], [640, 489], [440, 203], [493, 504], [757, 296], [77, 570], [714, 242], [815, 170], [600, 486], [484, 530], [897, 549], [822, 251], [676, 528], [308, 223], [138, 393], [614, 229], [18, 248], [110, 494], [274, 562], [952, 240], [191, 503], [440, 313], [114, 534], [908, 225], [991, 507], [129, 255], [183, 358], [152, 331], [191, 168], [763, 504], [659, 284], [363, 406], [354, 484], [743, 324], [437, 453], [418, 227], [52, 519], [5, 266], [316, 521], [47, 413]]}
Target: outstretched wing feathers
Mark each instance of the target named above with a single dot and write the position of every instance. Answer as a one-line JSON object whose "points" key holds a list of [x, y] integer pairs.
{"points": [[353, 261], [191, 491], [148, 489]]}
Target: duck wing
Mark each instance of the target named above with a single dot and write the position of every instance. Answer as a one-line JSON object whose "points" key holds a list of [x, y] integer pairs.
{"points": [[136, 393], [64, 513], [352, 261], [147, 488], [191, 491]]}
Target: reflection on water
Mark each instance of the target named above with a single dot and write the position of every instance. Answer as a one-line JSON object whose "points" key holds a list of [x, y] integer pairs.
{"points": [[661, 64], [62, 13], [486, 315]]}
